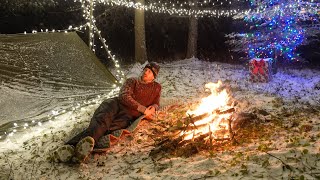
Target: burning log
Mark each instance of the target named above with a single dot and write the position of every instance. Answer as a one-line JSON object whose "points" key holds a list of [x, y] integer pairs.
{"points": [[225, 111], [192, 127], [197, 139], [191, 120], [196, 118], [218, 111]]}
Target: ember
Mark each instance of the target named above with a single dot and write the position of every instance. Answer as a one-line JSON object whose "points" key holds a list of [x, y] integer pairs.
{"points": [[212, 115]]}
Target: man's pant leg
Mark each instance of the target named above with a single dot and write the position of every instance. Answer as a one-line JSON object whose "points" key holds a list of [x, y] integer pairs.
{"points": [[100, 122], [122, 120]]}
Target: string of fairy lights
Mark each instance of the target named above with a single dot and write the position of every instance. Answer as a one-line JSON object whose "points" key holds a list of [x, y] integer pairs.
{"points": [[177, 4], [265, 4], [278, 32], [177, 9], [87, 14], [197, 9], [198, 3], [55, 113], [70, 28]]}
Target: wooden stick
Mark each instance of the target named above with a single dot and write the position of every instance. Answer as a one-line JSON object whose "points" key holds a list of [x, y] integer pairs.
{"points": [[225, 111], [196, 118], [231, 132], [222, 139], [200, 137], [210, 137]]}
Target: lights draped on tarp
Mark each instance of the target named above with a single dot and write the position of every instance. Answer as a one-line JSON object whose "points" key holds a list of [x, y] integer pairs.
{"points": [[44, 75]]}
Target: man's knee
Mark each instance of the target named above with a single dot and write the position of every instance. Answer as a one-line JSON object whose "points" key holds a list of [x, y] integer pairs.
{"points": [[108, 105]]}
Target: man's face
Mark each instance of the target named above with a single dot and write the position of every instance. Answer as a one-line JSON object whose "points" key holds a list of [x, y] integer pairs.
{"points": [[147, 75]]}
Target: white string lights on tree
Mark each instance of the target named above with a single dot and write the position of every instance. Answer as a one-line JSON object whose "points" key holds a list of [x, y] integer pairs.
{"points": [[120, 73], [201, 4], [88, 8], [174, 9]]}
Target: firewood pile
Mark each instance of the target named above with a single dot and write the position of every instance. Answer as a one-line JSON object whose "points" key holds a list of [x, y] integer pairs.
{"points": [[171, 139], [210, 123]]}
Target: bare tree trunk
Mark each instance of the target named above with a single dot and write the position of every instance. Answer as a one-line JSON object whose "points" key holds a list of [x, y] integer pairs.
{"points": [[139, 29], [192, 37]]}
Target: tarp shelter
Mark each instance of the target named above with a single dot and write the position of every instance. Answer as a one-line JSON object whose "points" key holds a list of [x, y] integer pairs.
{"points": [[45, 71]]}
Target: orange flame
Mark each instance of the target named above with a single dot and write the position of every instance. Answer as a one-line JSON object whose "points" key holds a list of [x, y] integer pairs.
{"points": [[216, 100]]}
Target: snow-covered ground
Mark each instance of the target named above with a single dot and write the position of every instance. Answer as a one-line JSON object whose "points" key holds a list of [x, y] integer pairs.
{"points": [[291, 98]]}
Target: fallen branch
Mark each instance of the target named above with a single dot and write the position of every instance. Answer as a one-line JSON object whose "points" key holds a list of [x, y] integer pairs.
{"points": [[285, 164], [10, 165], [120, 150], [291, 167], [36, 153], [231, 132]]}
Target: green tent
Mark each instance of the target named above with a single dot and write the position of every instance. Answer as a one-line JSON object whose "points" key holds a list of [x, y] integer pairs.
{"points": [[47, 71]]}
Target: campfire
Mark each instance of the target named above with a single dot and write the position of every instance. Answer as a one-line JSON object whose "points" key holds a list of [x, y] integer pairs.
{"points": [[211, 117], [204, 125]]}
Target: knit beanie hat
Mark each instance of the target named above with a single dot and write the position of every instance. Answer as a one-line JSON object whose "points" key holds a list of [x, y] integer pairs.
{"points": [[154, 67]]}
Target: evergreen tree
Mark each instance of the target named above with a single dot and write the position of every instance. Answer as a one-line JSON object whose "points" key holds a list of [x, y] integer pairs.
{"points": [[276, 29]]}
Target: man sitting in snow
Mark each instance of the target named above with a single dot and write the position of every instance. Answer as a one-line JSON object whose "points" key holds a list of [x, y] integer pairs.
{"points": [[137, 96]]}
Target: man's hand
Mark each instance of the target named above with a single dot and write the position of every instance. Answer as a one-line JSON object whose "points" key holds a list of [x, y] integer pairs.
{"points": [[150, 112]]}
